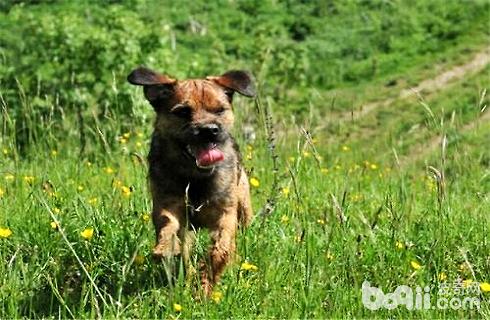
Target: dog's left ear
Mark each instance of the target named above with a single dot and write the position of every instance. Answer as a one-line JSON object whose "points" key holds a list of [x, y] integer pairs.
{"points": [[237, 80]]}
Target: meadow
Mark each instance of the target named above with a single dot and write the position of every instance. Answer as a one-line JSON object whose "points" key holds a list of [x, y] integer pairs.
{"points": [[355, 176]]}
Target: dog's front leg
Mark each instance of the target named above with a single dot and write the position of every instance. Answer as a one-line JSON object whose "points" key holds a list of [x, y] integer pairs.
{"points": [[223, 248], [168, 219]]}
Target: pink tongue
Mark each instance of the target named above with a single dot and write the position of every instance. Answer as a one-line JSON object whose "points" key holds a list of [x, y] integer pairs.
{"points": [[209, 157]]}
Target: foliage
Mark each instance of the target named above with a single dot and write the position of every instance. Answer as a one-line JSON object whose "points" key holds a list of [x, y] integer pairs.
{"points": [[354, 200]]}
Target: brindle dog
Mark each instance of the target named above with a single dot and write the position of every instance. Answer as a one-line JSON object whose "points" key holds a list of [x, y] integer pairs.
{"points": [[196, 176]]}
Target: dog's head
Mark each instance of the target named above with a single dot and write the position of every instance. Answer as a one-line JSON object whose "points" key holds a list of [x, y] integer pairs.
{"points": [[195, 113]]}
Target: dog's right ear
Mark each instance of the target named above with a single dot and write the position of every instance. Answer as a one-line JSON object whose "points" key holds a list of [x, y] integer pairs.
{"points": [[155, 85]]}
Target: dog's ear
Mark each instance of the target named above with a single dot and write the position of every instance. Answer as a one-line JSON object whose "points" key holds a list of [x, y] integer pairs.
{"points": [[236, 80], [155, 85]]}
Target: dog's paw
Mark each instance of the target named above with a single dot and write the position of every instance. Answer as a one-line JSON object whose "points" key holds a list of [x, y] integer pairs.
{"points": [[160, 252]]}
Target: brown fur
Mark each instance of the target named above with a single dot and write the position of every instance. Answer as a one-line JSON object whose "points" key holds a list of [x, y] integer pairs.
{"points": [[184, 195]]}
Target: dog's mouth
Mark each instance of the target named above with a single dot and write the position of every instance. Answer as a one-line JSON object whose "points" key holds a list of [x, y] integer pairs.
{"points": [[206, 157]]}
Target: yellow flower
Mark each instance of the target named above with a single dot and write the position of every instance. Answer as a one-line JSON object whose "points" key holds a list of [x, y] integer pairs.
{"points": [[373, 166], [415, 265], [5, 232], [285, 191], [284, 219], [1, 192], [345, 148], [338, 167], [306, 154], [5, 151], [29, 179], [399, 245], [177, 307], [466, 283], [123, 140], [139, 259], [324, 170], [127, 135], [254, 182], [330, 256], [54, 225], [80, 188], [321, 221], [9, 177], [126, 191], [248, 267], [442, 276], [108, 170], [145, 217], [216, 296], [249, 156], [485, 287], [87, 234], [92, 201], [139, 134], [89, 164], [56, 210], [291, 159], [139, 144], [54, 153]]}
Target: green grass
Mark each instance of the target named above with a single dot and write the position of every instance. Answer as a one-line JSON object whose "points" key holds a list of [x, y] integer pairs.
{"points": [[344, 211]]}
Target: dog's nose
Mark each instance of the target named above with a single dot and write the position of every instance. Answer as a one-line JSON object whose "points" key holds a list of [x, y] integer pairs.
{"points": [[209, 130]]}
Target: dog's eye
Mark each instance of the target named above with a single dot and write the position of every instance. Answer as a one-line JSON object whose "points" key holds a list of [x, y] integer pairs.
{"points": [[182, 112], [219, 110]]}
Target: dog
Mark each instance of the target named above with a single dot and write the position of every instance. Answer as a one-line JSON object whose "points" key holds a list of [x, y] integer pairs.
{"points": [[195, 171]]}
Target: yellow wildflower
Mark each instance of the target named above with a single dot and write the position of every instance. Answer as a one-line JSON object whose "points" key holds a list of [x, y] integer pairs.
{"points": [[139, 134], [485, 287], [92, 201], [415, 265], [216, 296], [56, 210], [126, 191], [248, 267], [285, 191], [306, 154], [80, 188], [139, 144], [345, 148], [123, 140], [373, 166], [29, 179], [338, 167], [442, 276], [126, 135], [87, 234], [108, 170], [54, 225], [54, 153], [254, 182], [9, 177], [177, 307], [1, 192], [249, 156], [399, 245], [139, 259], [89, 164], [321, 221], [324, 170], [329, 256], [5, 232], [284, 219], [145, 217]]}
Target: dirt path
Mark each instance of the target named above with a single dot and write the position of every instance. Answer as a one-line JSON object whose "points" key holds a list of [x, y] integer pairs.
{"points": [[477, 64]]}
